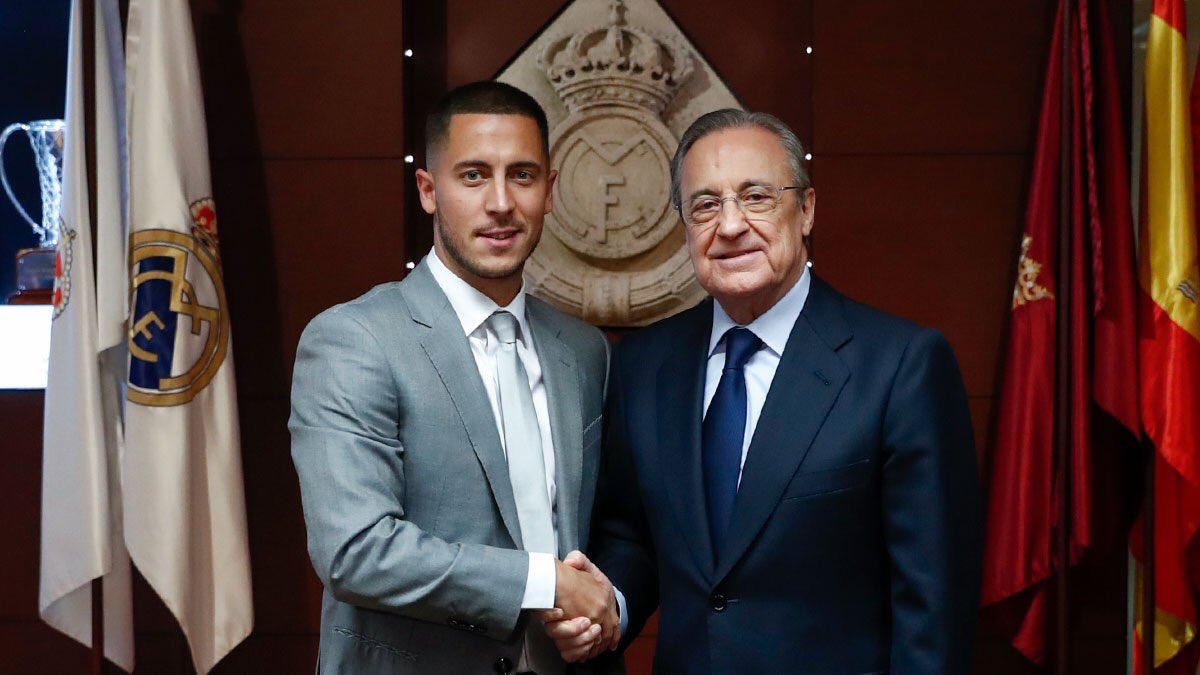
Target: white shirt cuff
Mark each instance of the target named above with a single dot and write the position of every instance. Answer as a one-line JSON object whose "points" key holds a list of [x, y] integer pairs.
{"points": [[623, 608], [540, 582]]}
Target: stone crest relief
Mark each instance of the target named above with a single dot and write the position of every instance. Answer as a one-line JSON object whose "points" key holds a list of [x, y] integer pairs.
{"points": [[619, 83]]}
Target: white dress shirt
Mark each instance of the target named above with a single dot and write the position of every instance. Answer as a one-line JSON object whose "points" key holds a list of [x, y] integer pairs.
{"points": [[773, 327], [473, 309]]}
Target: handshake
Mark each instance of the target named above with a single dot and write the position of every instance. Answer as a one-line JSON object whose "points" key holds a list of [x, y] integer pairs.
{"points": [[584, 622]]}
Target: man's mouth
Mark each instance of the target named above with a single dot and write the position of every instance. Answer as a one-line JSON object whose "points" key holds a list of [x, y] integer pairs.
{"points": [[733, 255], [499, 233], [499, 238]]}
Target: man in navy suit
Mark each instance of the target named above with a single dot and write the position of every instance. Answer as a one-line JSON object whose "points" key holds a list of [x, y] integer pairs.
{"points": [[789, 476]]}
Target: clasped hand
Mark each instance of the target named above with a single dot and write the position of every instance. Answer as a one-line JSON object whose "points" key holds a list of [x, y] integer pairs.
{"points": [[585, 621]]}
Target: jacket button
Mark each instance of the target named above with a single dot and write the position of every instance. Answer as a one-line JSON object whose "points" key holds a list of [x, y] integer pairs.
{"points": [[717, 602], [503, 666]]}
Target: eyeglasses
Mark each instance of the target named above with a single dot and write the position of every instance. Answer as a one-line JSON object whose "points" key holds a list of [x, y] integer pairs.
{"points": [[754, 199]]}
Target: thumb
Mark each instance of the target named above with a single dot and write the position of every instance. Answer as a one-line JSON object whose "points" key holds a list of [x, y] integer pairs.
{"points": [[577, 560]]}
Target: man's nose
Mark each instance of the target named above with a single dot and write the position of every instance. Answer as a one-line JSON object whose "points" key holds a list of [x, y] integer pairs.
{"points": [[731, 222], [499, 198]]}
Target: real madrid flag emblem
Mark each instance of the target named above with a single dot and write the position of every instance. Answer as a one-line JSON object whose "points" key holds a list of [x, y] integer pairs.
{"points": [[179, 327]]}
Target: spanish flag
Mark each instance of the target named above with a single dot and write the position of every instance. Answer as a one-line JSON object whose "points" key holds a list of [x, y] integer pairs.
{"points": [[1169, 340]]}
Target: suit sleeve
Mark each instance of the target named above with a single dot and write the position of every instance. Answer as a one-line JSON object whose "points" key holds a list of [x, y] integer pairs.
{"points": [[932, 512], [621, 542], [344, 423]]}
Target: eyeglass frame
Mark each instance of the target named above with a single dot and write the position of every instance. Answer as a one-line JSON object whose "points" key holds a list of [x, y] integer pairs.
{"points": [[741, 207]]}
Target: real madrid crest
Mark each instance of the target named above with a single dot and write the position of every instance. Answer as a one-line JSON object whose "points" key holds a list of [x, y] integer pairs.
{"points": [[179, 325], [64, 258], [618, 91]]}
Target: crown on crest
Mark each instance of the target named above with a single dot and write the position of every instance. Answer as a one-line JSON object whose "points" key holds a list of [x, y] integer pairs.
{"points": [[615, 64]]}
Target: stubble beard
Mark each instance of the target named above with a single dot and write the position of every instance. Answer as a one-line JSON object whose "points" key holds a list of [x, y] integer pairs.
{"points": [[455, 249]]}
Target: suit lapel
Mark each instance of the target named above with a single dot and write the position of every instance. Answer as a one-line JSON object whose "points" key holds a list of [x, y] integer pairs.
{"points": [[806, 384], [561, 376], [447, 348], [681, 397]]}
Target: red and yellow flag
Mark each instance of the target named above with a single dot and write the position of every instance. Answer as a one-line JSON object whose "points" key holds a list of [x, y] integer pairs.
{"points": [[1169, 336]]}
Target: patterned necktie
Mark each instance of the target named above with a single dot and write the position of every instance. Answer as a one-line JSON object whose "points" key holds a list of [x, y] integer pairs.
{"points": [[723, 432], [522, 440]]}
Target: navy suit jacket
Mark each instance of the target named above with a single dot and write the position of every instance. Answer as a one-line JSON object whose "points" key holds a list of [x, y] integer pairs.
{"points": [[855, 543]]}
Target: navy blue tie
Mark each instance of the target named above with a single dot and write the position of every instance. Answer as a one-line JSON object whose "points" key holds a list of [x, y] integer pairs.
{"points": [[723, 432]]}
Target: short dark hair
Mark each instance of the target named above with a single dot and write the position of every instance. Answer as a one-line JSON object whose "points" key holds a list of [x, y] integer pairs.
{"points": [[487, 97], [732, 118]]}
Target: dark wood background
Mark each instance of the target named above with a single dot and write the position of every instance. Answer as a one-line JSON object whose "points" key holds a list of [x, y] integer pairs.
{"points": [[921, 118]]}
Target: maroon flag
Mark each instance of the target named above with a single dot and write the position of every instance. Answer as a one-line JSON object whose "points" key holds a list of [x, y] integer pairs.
{"points": [[1024, 516]]}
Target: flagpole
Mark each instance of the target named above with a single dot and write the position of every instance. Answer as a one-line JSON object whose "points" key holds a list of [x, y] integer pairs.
{"points": [[1062, 403], [97, 662], [88, 8], [1148, 546]]}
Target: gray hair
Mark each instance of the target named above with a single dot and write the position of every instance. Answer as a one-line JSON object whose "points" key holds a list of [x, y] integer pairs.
{"points": [[732, 118]]}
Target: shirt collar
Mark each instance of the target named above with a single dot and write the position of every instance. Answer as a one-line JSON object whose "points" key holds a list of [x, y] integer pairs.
{"points": [[774, 326], [470, 305]]}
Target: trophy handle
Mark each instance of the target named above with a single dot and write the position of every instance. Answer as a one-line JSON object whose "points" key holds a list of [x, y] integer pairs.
{"points": [[37, 227]]}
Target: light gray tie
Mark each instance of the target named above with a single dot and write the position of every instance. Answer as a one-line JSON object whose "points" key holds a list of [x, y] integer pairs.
{"points": [[522, 440]]}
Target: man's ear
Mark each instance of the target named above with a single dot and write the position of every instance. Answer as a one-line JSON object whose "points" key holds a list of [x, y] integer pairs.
{"points": [[550, 190], [808, 210], [426, 191]]}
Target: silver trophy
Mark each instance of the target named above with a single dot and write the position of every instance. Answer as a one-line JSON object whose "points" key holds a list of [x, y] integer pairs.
{"points": [[36, 266], [46, 138]]}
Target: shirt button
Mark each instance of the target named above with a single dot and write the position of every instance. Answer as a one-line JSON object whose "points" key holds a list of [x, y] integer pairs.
{"points": [[503, 666]]}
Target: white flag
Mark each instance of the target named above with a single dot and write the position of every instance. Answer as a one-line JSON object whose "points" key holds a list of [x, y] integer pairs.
{"points": [[185, 522], [81, 497]]}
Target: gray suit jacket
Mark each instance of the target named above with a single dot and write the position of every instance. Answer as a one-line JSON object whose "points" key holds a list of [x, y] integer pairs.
{"points": [[412, 526]]}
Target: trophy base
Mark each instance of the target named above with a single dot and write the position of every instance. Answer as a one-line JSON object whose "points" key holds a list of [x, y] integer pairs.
{"points": [[35, 269], [42, 297]]}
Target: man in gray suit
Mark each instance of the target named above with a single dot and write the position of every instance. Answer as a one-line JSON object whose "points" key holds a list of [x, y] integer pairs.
{"points": [[446, 428]]}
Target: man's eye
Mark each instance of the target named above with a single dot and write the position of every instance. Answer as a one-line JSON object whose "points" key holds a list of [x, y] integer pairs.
{"points": [[524, 175], [753, 196], [472, 175], [706, 204]]}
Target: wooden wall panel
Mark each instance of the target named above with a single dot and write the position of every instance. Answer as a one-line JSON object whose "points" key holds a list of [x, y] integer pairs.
{"points": [[929, 237], [758, 48], [263, 654], [162, 651], [981, 422], [33, 647], [305, 235], [20, 500], [324, 78], [928, 77], [484, 36], [287, 593]]}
